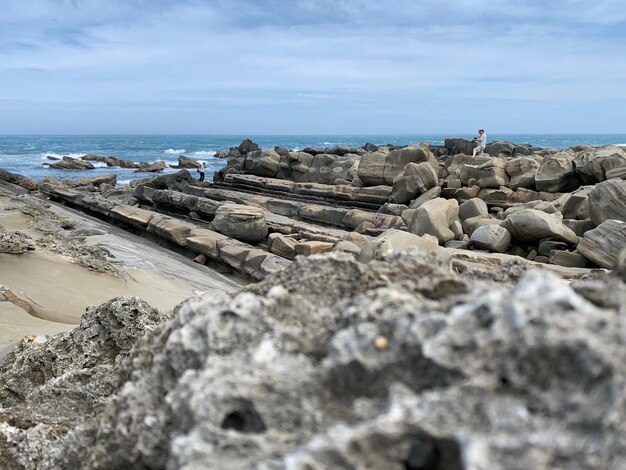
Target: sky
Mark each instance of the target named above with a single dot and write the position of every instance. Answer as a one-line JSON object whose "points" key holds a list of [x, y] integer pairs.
{"points": [[312, 66]]}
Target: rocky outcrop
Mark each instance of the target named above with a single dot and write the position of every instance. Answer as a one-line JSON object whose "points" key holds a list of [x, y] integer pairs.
{"points": [[436, 218], [244, 223], [603, 244], [155, 167], [607, 200], [532, 224], [595, 165], [414, 180], [68, 163], [19, 180], [337, 364], [15, 242], [186, 163], [110, 161], [557, 174]]}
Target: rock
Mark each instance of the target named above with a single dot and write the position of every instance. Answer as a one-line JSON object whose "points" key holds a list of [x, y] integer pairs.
{"points": [[500, 148], [246, 146], [577, 204], [356, 238], [146, 167], [187, 163], [348, 247], [556, 173], [369, 147], [492, 238], [458, 244], [15, 242], [262, 163], [472, 208], [531, 224], [335, 364], [568, 259], [19, 180], [282, 245], [546, 246], [393, 241], [456, 146], [312, 247], [608, 201], [603, 244], [429, 195], [68, 163], [96, 181], [110, 161], [600, 164], [471, 224], [415, 179], [392, 209], [492, 174], [522, 171], [245, 223], [200, 259], [579, 226], [397, 160], [435, 218]]}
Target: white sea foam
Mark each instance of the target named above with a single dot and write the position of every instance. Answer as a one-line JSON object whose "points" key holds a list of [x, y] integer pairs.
{"points": [[175, 151], [204, 153], [98, 164], [621, 145], [123, 182], [328, 143], [44, 155]]}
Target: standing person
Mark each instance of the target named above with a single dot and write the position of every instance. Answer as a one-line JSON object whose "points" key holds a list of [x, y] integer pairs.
{"points": [[482, 142], [200, 170]]}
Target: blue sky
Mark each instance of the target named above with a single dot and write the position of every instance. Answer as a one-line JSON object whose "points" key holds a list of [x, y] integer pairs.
{"points": [[312, 66]]}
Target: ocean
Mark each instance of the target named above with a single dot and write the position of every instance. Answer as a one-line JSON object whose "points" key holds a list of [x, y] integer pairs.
{"points": [[26, 154]]}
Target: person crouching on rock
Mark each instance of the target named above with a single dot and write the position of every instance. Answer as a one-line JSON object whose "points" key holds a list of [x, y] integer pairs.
{"points": [[201, 173], [482, 143]]}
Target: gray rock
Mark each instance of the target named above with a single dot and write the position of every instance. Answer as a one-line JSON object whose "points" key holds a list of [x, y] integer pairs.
{"points": [[531, 224], [599, 164], [522, 171], [15, 242], [435, 218], [393, 241], [337, 364], [415, 179], [556, 173], [472, 208], [603, 244], [429, 195], [608, 201], [568, 259], [245, 223], [262, 163], [492, 238]]}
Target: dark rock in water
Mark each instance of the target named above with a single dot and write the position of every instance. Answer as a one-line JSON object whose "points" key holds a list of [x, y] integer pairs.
{"points": [[68, 163], [247, 146], [110, 161], [186, 163], [313, 150], [170, 181], [330, 364], [151, 167], [50, 157]]}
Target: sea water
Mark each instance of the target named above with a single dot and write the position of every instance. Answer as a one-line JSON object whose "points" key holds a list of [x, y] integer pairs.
{"points": [[27, 154]]}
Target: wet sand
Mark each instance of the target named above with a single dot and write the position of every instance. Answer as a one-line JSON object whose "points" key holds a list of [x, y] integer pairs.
{"points": [[54, 291]]}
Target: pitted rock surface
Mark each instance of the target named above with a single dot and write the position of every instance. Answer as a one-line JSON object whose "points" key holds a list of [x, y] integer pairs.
{"points": [[331, 363]]}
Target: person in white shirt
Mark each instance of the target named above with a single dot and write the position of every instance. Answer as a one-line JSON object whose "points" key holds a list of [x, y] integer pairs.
{"points": [[482, 142]]}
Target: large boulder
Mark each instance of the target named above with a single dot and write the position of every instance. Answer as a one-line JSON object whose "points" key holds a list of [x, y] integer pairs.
{"points": [[398, 159], [500, 148], [599, 164], [457, 145], [473, 207], [245, 223], [492, 174], [110, 161], [23, 181], [531, 224], [371, 168], [557, 174], [393, 241], [187, 163], [415, 179], [436, 218], [608, 201], [603, 244], [522, 171], [262, 163]]}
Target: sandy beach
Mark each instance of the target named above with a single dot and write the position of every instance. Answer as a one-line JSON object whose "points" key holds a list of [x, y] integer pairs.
{"points": [[46, 292]]}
